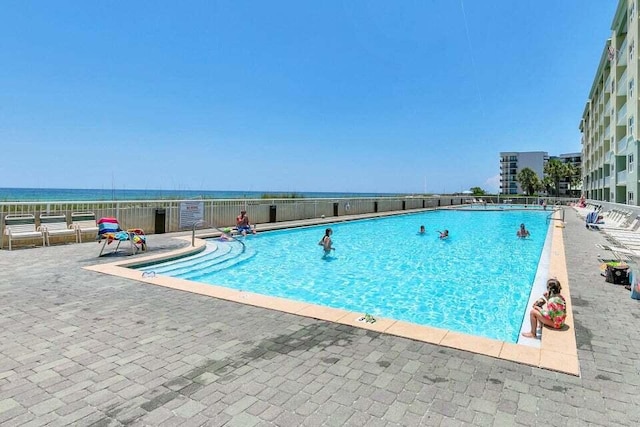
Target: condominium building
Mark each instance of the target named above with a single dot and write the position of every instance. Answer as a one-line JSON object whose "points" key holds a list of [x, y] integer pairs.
{"points": [[513, 162], [609, 132]]}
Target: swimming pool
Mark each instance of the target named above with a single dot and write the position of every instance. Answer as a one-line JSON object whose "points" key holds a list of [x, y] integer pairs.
{"points": [[476, 282]]}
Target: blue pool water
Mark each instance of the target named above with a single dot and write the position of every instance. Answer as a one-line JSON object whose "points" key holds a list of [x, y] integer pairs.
{"points": [[476, 282]]}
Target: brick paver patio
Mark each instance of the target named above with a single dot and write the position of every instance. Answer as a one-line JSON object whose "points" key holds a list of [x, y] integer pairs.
{"points": [[82, 348]]}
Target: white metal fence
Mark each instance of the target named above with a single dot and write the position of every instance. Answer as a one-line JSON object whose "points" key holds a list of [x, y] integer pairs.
{"points": [[164, 215]]}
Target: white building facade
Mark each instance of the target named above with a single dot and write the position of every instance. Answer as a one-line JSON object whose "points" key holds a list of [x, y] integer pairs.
{"points": [[512, 162], [609, 120]]}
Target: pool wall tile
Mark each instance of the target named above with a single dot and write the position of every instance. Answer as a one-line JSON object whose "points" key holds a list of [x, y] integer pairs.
{"points": [[380, 325], [473, 344], [520, 354], [417, 332], [323, 313], [561, 362]]}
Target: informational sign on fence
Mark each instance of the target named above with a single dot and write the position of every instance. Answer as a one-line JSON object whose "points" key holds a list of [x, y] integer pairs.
{"points": [[190, 213]]}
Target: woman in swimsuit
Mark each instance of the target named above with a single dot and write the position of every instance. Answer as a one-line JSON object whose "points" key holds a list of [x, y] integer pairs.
{"points": [[523, 233], [325, 242]]}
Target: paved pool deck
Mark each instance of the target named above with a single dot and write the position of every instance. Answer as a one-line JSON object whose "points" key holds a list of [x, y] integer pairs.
{"points": [[83, 348]]}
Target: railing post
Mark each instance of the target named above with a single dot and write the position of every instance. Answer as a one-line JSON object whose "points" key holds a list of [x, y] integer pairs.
{"points": [[193, 231]]}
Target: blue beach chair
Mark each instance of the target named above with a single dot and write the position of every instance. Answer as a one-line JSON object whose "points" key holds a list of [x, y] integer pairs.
{"points": [[109, 230]]}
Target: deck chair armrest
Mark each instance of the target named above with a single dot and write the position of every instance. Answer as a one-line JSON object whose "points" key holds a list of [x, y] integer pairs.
{"points": [[42, 228]]}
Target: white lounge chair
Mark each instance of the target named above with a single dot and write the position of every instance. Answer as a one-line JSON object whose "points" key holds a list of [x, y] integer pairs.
{"points": [[617, 250], [84, 222], [22, 227], [55, 225], [624, 228]]}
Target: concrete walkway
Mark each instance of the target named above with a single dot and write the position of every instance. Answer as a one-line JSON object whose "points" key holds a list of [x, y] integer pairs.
{"points": [[81, 348]]}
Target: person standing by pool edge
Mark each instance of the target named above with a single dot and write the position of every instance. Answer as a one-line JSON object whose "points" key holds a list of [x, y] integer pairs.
{"points": [[326, 243], [242, 223]]}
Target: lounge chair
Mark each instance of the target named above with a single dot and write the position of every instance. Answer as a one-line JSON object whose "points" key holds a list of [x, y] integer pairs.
{"points": [[55, 225], [83, 222], [618, 251], [624, 229], [592, 221], [632, 241], [109, 230], [21, 227]]}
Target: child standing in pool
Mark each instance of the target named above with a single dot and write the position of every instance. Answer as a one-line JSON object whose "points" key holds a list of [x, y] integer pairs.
{"points": [[326, 242]]}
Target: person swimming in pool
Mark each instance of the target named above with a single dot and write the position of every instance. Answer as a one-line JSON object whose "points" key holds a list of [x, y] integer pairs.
{"points": [[422, 230], [523, 233], [326, 242], [444, 234]]}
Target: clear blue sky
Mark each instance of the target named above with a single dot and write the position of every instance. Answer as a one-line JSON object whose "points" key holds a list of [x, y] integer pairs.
{"points": [[353, 96]]}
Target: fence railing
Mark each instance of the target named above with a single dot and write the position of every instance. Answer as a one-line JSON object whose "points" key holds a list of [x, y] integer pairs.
{"points": [[155, 216]]}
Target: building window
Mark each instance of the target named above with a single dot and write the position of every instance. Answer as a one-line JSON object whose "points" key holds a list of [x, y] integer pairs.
{"points": [[630, 197], [630, 131], [630, 163], [631, 84], [632, 11]]}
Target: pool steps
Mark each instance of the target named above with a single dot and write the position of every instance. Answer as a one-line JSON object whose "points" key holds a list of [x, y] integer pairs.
{"points": [[217, 256]]}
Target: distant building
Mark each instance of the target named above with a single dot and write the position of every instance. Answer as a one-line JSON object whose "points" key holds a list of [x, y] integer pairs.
{"points": [[512, 162], [609, 135]]}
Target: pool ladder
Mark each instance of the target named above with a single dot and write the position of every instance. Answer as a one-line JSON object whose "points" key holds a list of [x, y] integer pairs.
{"points": [[550, 216], [201, 222]]}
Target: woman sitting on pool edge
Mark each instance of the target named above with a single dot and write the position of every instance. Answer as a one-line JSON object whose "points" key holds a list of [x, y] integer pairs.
{"points": [[550, 310]]}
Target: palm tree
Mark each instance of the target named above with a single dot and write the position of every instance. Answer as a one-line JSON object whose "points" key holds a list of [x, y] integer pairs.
{"points": [[546, 184], [573, 176], [555, 170], [528, 180]]}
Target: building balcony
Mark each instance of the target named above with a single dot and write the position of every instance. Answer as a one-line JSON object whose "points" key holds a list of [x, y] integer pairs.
{"points": [[621, 59], [608, 157], [622, 85], [607, 108], [608, 87], [607, 132], [621, 145], [621, 178], [621, 116]]}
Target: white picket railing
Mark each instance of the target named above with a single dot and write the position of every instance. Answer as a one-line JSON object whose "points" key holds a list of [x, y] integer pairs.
{"points": [[222, 212]]}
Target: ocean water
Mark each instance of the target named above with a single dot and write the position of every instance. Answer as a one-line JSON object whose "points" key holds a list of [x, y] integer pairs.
{"points": [[477, 282], [76, 194]]}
